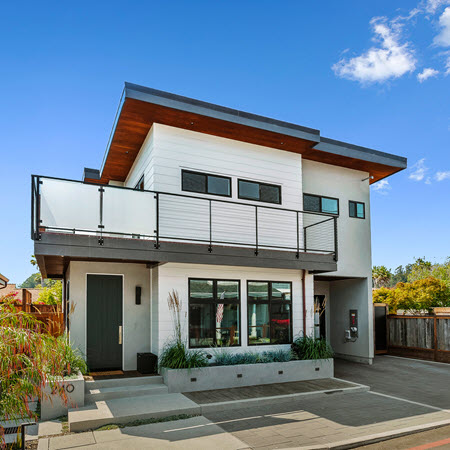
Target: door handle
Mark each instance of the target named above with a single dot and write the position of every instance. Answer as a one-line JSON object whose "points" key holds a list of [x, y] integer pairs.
{"points": [[120, 334]]}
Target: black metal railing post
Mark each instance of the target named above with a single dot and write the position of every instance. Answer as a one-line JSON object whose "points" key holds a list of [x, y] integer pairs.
{"points": [[33, 196], [304, 239], [37, 234], [210, 227], [101, 226], [298, 239], [156, 232], [256, 230], [335, 239]]}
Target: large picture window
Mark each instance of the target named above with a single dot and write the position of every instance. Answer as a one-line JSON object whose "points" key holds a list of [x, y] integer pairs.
{"points": [[205, 183], [269, 312], [214, 313]]}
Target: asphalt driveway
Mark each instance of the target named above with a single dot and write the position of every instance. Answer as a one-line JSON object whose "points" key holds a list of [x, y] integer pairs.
{"points": [[418, 381]]}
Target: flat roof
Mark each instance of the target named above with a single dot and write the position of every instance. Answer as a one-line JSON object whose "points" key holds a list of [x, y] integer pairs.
{"points": [[141, 106]]}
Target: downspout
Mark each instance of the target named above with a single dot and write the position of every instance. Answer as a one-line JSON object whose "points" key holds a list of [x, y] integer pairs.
{"points": [[304, 302]]}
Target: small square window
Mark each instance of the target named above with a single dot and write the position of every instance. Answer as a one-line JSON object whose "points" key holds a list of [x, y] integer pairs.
{"points": [[270, 194], [356, 209]]}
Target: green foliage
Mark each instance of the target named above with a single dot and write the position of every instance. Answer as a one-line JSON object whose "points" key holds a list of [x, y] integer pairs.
{"points": [[28, 360], [424, 269], [381, 276], [52, 295], [73, 360], [175, 355], [422, 294], [224, 358], [32, 281], [309, 348]]}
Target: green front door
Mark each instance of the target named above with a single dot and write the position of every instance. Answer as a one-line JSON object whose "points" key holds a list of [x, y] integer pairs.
{"points": [[104, 322]]}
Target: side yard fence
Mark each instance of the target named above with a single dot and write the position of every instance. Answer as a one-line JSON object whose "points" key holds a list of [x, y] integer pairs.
{"points": [[423, 337], [51, 316]]}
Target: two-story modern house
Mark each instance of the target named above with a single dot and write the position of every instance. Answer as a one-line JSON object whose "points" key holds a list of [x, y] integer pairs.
{"points": [[256, 223]]}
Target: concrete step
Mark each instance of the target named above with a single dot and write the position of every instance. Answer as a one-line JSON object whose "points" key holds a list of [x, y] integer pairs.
{"points": [[109, 393], [130, 409], [121, 382]]}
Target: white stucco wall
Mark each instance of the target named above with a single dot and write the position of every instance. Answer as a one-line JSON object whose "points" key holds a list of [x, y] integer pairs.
{"points": [[354, 240], [176, 276], [136, 318]]}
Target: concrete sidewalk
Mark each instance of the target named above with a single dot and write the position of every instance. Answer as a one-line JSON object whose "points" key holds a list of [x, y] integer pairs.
{"points": [[193, 433]]}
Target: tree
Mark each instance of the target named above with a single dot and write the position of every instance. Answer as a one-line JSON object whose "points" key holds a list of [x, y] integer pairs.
{"points": [[419, 295], [381, 276]]}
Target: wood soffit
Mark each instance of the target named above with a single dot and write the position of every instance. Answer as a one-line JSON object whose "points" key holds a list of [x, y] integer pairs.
{"points": [[136, 118]]}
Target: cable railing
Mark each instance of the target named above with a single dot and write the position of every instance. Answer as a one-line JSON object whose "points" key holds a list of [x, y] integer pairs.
{"points": [[67, 206]]}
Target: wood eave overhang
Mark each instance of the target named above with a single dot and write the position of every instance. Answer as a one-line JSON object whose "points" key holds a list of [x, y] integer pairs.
{"points": [[141, 107]]}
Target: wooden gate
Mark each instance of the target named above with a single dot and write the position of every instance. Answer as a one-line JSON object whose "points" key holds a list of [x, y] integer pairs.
{"points": [[423, 337]]}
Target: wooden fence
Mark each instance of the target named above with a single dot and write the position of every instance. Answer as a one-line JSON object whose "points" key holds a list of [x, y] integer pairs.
{"points": [[51, 316], [423, 337]]}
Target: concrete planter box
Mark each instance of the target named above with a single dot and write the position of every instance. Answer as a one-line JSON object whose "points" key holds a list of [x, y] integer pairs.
{"points": [[52, 406], [223, 377]]}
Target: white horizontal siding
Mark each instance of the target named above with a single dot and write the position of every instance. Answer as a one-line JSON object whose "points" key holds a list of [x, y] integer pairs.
{"points": [[167, 151]]}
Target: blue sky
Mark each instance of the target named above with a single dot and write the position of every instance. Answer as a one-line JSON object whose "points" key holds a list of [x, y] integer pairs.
{"points": [[370, 73]]}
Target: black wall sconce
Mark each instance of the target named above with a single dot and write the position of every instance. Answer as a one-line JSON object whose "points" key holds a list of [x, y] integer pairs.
{"points": [[138, 295]]}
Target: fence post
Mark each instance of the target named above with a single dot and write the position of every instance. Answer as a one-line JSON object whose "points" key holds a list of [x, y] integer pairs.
{"points": [[435, 341]]}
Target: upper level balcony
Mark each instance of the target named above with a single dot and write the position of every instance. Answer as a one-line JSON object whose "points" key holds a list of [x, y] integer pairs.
{"points": [[74, 220]]}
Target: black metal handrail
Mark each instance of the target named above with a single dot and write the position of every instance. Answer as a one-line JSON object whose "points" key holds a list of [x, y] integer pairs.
{"points": [[36, 181]]}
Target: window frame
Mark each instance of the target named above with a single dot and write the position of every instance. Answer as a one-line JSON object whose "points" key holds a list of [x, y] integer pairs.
{"points": [[215, 302], [137, 187], [320, 197], [260, 183], [206, 175], [356, 210], [269, 302]]}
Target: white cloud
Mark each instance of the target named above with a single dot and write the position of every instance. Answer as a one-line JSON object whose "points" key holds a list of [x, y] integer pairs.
{"points": [[443, 38], [420, 169], [427, 73], [428, 180], [440, 176], [382, 186], [431, 6], [390, 59]]}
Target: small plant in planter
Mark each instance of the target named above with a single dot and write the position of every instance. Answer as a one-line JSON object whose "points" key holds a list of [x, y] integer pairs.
{"points": [[307, 347], [175, 354]]}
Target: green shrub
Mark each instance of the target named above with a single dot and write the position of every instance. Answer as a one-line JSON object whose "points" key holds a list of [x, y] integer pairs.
{"points": [[175, 355], [224, 358], [309, 348], [72, 358], [422, 294]]}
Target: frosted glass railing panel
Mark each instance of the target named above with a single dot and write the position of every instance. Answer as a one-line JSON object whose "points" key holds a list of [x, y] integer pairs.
{"points": [[69, 205], [233, 223], [183, 218], [277, 228], [129, 212]]}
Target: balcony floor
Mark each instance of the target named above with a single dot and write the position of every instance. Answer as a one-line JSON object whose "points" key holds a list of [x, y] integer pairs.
{"points": [[55, 250]]}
